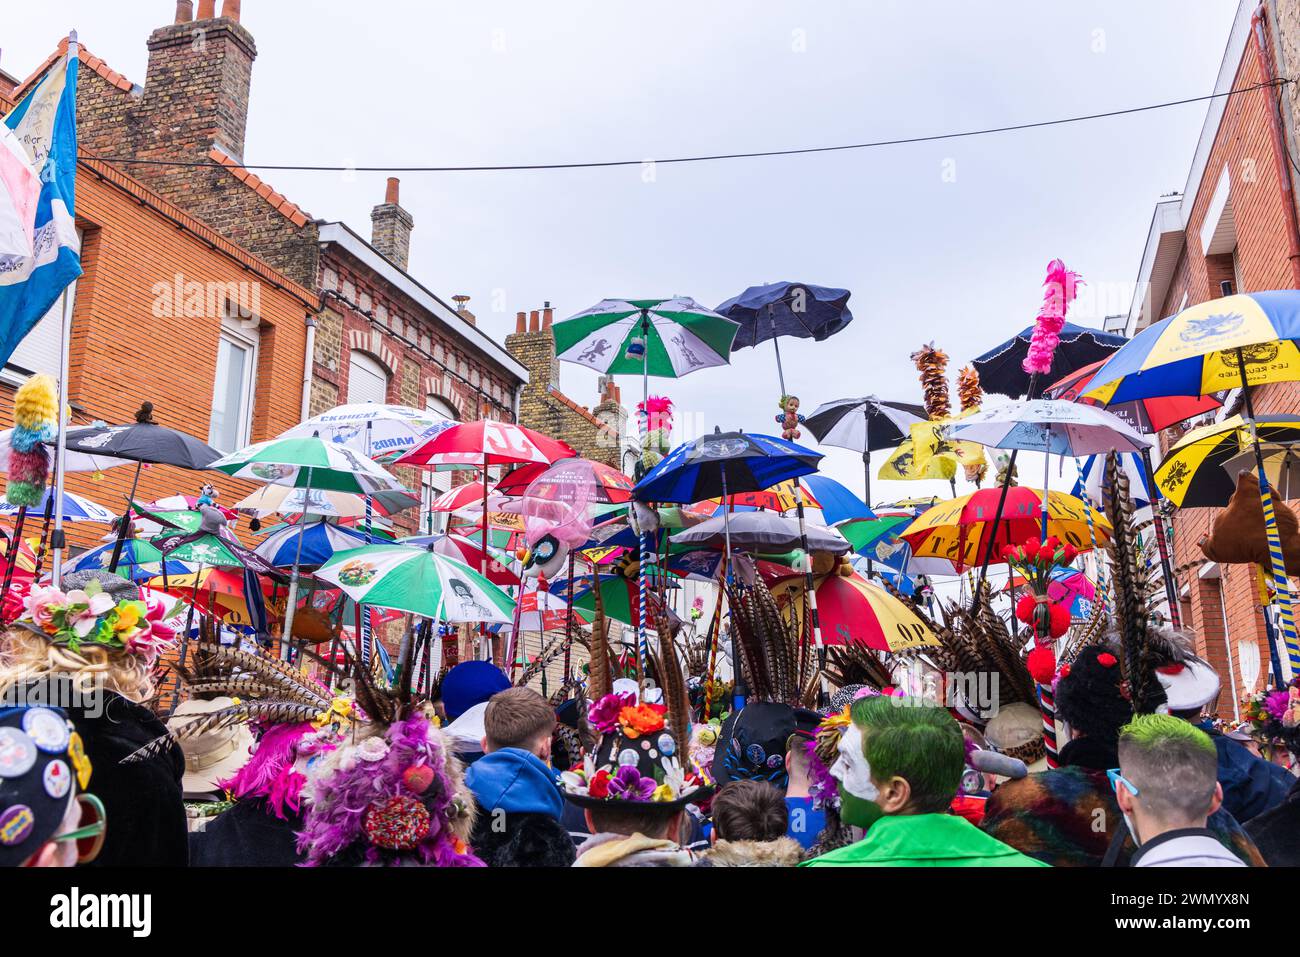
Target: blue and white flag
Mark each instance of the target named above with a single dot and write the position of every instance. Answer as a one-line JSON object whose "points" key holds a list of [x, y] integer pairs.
{"points": [[45, 123]]}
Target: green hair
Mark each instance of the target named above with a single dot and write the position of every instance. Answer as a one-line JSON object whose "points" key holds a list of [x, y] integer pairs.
{"points": [[1150, 731], [1173, 764], [919, 743]]}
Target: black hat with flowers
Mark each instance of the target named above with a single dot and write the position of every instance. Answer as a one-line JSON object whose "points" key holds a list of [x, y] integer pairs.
{"points": [[640, 761]]}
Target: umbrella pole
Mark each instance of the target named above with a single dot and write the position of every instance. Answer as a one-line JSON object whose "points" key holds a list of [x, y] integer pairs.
{"points": [[866, 468], [568, 621], [1047, 469], [1166, 569], [738, 682], [189, 622], [643, 542], [121, 531], [810, 592], [1277, 561], [482, 564], [293, 574]]}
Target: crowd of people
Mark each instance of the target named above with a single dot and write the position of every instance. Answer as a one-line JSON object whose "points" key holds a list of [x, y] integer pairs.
{"points": [[264, 766]]}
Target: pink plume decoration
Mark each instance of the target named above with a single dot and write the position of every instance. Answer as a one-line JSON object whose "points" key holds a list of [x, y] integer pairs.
{"points": [[1059, 290]]}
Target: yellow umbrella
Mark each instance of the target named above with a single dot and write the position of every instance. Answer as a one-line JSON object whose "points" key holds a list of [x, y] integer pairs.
{"points": [[853, 611], [1193, 475]]}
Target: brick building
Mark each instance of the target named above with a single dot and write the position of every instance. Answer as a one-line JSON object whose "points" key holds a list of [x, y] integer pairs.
{"points": [[599, 433], [380, 334], [1231, 229]]}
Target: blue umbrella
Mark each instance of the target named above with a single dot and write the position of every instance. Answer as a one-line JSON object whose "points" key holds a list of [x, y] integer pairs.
{"points": [[1000, 370], [796, 309], [75, 509], [725, 463], [320, 540], [1090, 476], [837, 502], [139, 561]]}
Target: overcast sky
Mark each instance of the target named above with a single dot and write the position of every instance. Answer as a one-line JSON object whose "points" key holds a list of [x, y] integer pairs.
{"points": [[943, 241]]}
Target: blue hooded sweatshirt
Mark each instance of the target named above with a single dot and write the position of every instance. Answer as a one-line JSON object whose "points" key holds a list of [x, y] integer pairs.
{"points": [[516, 782]]}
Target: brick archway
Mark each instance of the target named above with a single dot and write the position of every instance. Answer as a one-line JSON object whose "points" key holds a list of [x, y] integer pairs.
{"points": [[372, 341]]}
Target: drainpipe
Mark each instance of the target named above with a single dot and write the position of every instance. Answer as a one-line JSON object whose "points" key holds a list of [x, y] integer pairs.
{"points": [[309, 356], [1259, 28]]}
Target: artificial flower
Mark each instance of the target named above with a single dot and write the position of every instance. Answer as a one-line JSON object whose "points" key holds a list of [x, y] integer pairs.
{"points": [[642, 719], [663, 792], [628, 785], [128, 616], [372, 749], [599, 786], [41, 605], [604, 714]]}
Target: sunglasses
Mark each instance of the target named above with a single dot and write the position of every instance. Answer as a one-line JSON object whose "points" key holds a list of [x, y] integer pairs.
{"points": [[1116, 779], [90, 832]]}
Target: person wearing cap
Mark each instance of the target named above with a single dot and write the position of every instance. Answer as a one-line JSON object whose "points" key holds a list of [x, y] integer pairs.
{"points": [[1166, 788], [899, 767], [47, 818], [1068, 816], [92, 650]]}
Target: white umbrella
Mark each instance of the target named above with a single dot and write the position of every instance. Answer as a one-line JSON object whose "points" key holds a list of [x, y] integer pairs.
{"points": [[74, 461], [371, 428], [1051, 426], [74, 508]]}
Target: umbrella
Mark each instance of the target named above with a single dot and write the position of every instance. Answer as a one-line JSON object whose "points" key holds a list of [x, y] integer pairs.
{"points": [[781, 497], [777, 309], [765, 532], [419, 581], [725, 463], [471, 553], [605, 485], [486, 442], [1194, 473], [836, 502], [960, 530], [1149, 415], [544, 611], [371, 428], [1093, 471], [74, 509], [1281, 462], [863, 534], [296, 501], [144, 441], [1001, 371], [619, 595], [1065, 586], [140, 560], [566, 500], [856, 611], [661, 337], [864, 425], [73, 461], [1049, 426], [219, 592], [320, 540]]}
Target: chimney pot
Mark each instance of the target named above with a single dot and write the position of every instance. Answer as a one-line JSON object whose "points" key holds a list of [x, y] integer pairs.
{"points": [[520, 322], [230, 10], [390, 194], [207, 9], [184, 11], [547, 315], [532, 321]]}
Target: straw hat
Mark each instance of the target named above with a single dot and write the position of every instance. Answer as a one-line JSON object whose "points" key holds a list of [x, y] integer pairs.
{"points": [[210, 755]]}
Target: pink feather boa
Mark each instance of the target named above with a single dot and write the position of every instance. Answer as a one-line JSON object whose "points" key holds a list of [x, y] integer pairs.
{"points": [[1060, 289]]}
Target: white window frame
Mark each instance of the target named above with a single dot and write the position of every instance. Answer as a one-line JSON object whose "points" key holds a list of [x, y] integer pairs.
{"points": [[239, 333]]}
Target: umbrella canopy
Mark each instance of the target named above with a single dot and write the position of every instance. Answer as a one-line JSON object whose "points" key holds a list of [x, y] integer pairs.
{"points": [[836, 502], [1051, 426], [564, 501], [543, 611], [1281, 463], [144, 441], [486, 442], [1146, 415], [75, 461], [779, 498], [204, 548], [419, 581], [864, 424], [320, 540], [25, 557], [1195, 351], [308, 463], [371, 428], [74, 507], [1193, 473], [466, 495], [799, 310], [1094, 469], [471, 553], [271, 499], [618, 596], [959, 530], [219, 592], [765, 532], [606, 485], [140, 561], [854, 611], [863, 534], [668, 338], [1001, 371], [695, 471]]}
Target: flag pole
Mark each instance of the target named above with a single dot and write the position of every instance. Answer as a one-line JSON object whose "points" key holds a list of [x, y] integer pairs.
{"points": [[57, 541]]}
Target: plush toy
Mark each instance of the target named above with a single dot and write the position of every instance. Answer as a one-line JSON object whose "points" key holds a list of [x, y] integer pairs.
{"points": [[656, 415], [789, 419], [36, 416], [207, 495], [1238, 536]]}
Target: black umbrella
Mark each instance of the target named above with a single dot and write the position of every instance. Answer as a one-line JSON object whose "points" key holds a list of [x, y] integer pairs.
{"points": [[796, 309], [760, 531], [142, 442], [1000, 368], [863, 425]]}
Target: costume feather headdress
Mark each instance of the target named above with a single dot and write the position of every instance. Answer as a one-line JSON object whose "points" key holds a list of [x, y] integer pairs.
{"points": [[766, 646]]}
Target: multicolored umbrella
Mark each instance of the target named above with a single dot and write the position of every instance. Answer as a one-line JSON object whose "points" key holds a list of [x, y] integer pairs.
{"points": [[140, 561], [310, 463], [781, 497], [668, 338], [1193, 473], [856, 611], [959, 530], [863, 534], [619, 596], [486, 442], [1001, 370], [864, 425], [320, 540], [470, 552], [270, 499], [725, 463], [1149, 415], [1050, 426], [373, 429], [219, 592], [419, 581]]}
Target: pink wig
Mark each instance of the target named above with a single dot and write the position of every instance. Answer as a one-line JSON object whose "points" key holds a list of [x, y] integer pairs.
{"points": [[269, 773]]}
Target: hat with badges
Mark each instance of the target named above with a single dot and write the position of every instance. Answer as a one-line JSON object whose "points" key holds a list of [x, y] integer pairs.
{"points": [[42, 767], [753, 742]]}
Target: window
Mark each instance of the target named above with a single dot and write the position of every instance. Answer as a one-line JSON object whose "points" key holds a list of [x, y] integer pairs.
{"points": [[433, 484], [367, 379], [233, 385]]}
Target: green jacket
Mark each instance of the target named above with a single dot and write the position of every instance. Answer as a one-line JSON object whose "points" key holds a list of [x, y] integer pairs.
{"points": [[924, 840]]}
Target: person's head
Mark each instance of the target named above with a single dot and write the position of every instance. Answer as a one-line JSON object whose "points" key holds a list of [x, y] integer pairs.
{"points": [[1167, 779], [897, 757], [632, 818], [749, 811], [797, 765], [470, 683], [461, 589], [518, 718], [1089, 695]]}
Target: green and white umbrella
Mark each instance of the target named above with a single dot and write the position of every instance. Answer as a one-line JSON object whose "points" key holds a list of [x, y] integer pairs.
{"points": [[668, 338], [308, 463], [418, 581]]}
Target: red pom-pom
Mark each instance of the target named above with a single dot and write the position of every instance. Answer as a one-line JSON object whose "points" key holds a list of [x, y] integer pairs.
{"points": [[1060, 621], [417, 778], [1031, 550], [1107, 660], [1025, 609], [1042, 664], [1071, 553]]}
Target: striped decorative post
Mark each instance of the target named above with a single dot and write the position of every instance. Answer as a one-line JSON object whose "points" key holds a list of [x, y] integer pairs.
{"points": [[715, 633], [1047, 706], [811, 591]]}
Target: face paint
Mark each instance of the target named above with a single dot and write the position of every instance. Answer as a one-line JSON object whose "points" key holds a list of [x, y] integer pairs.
{"points": [[851, 769]]}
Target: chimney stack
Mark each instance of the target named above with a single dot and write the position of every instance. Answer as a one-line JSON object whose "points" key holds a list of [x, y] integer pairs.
{"points": [[462, 310], [207, 9], [391, 226], [547, 315], [230, 10], [184, 11], [521, 323], [533, 325]]}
